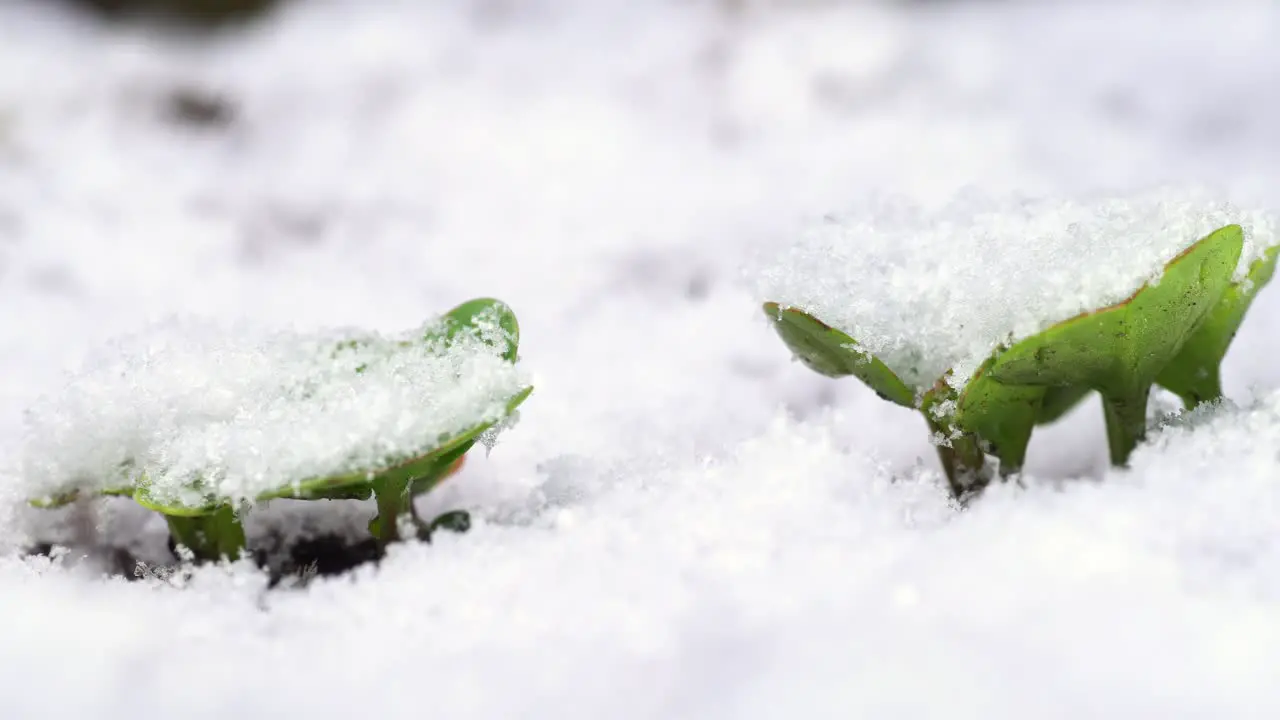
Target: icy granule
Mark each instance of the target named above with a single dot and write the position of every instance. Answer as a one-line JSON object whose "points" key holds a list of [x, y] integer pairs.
{"points": [[1200, 439], [246, 410], [932, 290]]}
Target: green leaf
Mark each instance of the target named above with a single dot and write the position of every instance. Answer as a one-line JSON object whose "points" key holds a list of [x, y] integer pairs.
{"points": [[458, 521], [123, 472], [211, 536], [832, 353], [359, 483], [1001, 416], [199, 504], [444, 466], [1195, 373], [70, 496], [362, 491], [487, 319], [1121, 349], [55, 501]]}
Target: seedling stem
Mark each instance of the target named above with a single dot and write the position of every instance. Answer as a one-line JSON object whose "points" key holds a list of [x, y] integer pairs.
{"points": [[209, 537]]}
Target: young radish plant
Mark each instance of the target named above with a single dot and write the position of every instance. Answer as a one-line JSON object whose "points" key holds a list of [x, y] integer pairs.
{"points": [[1195, 373], [203, 431], [1173, 330]]}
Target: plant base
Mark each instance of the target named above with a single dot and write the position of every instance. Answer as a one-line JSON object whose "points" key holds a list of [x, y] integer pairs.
{"points": [[209, 537]]}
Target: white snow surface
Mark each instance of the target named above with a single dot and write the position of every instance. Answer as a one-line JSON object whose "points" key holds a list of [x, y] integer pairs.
{"points": [[200, 411], [932, 292], [685, 523]]}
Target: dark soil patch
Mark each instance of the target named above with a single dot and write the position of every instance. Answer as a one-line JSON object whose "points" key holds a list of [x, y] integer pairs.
{"points": [[300, 561], [289, 562], [323, 556], [118, 561]]}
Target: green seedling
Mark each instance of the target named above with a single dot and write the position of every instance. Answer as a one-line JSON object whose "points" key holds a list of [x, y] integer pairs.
{"points": [[210, 528], [1120, 350], [832, 353], [1170, 330], [1195, 375], [1004, 413]]}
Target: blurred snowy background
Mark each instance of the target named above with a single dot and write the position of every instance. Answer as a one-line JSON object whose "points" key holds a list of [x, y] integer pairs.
{"points": [[685, 524]]}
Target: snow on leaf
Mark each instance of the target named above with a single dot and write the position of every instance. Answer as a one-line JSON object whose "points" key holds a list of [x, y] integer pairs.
{"points": [[197, 412], [927, 291]]}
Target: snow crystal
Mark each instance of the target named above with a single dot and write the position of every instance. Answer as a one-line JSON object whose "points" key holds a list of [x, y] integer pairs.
{"points": [[927, 290], [1215, 434], [242, 410]]}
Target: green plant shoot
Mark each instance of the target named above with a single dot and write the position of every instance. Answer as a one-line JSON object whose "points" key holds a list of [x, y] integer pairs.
{"points": [[1174, 332], [210, 527]]}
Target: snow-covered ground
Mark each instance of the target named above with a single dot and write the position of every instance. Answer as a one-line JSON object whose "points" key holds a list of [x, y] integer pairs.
{"points": [[685, 523]]}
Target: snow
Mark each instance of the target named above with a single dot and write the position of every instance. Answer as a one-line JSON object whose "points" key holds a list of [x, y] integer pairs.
{"points": [[685, 523], [228, 413], [932, 291]]}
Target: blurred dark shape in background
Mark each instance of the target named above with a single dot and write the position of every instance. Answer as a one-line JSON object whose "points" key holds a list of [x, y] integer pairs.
{"points": [[193, 12], [198, 108]]}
